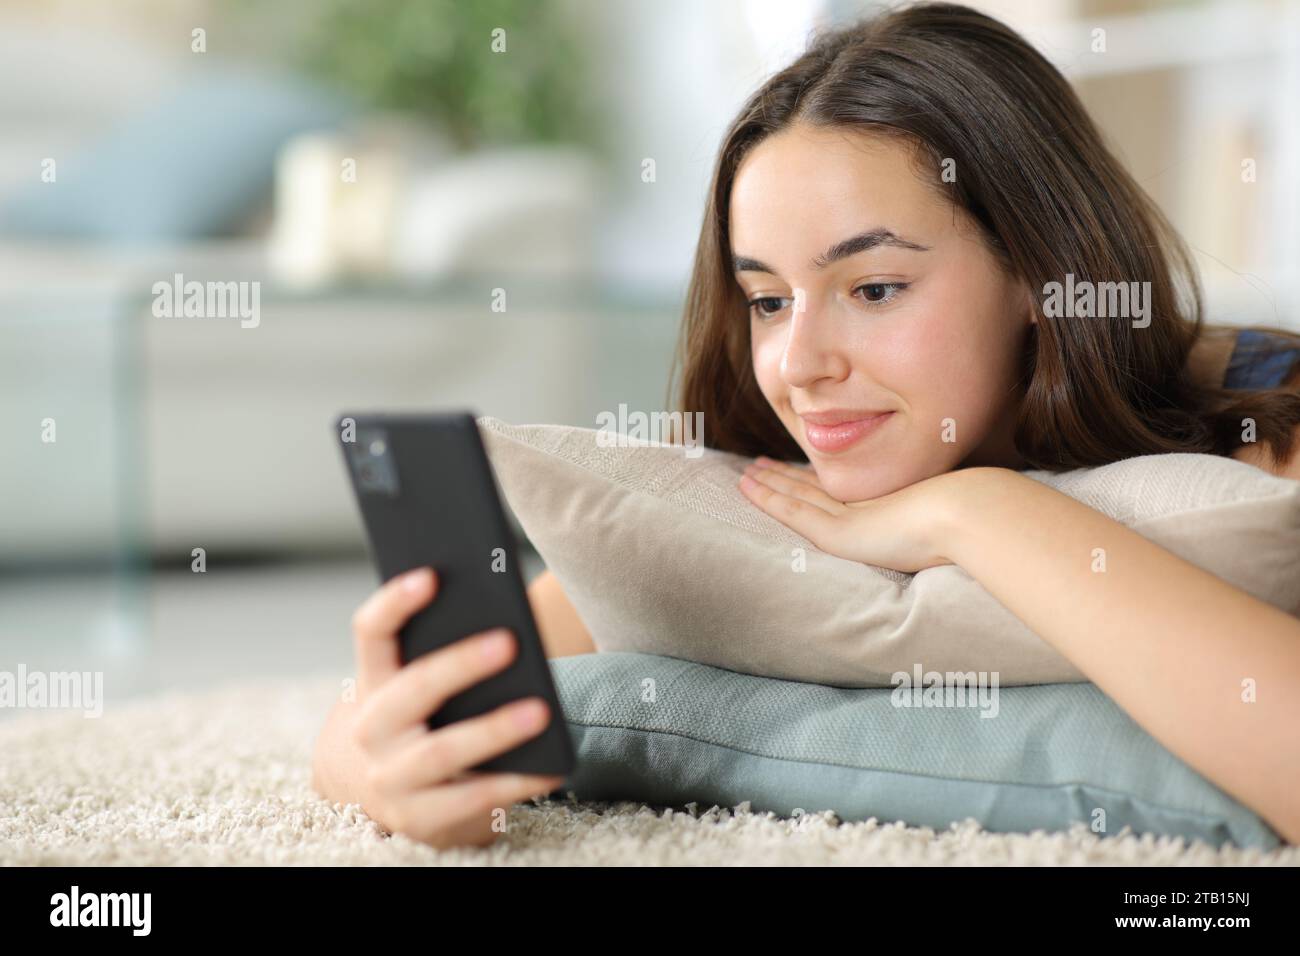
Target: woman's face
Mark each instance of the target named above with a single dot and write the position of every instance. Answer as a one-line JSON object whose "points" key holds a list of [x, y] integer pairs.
{"points": [[913, 323]]}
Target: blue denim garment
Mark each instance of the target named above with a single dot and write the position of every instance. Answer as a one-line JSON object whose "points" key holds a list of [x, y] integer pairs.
{"points": [[1260, 360]]}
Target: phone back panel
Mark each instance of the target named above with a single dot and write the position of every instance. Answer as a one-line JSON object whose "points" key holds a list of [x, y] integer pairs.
{"points": [[429, 498]]}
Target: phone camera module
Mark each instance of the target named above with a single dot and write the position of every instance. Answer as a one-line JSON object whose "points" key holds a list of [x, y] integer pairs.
{"points": [[372, 463]]}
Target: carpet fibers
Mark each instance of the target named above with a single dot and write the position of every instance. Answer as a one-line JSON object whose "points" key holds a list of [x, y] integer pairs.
{"points": [[223, 777]]}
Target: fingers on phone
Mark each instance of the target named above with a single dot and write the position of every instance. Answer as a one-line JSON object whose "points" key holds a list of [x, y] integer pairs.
{"points": [[448, 751], [406, 700], [471, 813], [480, 800], [484, 796], [377, 621]]}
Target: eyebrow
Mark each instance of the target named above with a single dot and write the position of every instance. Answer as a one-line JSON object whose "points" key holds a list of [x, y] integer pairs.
{"points": [[841, 250]]}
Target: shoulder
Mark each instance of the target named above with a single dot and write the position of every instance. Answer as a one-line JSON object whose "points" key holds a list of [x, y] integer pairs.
{"points": [[1262, 359], [1254, 455]]}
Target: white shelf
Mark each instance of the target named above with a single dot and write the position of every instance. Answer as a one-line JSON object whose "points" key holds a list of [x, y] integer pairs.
{"points": [[1218, 32]]}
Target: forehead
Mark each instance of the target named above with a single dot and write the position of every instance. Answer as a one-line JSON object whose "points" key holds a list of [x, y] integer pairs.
{"points": [[807, 185]]}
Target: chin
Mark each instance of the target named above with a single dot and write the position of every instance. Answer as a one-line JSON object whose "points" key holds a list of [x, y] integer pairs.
{"points": [[863, 477], [846, 480]]}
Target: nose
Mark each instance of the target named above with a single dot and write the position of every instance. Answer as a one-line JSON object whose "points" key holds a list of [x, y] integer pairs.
{"points": [[811, 351]]}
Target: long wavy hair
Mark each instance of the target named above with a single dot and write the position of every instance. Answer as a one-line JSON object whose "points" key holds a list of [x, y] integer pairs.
{"points": [[1035, 174]]}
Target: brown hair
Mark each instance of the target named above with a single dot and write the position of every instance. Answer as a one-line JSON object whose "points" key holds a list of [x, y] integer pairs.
{"points": [[1034, 173]]}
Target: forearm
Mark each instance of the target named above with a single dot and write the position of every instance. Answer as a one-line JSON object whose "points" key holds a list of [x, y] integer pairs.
{"points": [[558, 624], [1170, 643]]}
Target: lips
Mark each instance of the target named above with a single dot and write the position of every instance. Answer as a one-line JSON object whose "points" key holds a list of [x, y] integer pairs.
{"points": [[838, 416], [834, 431]]}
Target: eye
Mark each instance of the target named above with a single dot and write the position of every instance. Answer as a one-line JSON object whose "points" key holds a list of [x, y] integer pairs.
{"points": [[776, 301], [876, 293]]}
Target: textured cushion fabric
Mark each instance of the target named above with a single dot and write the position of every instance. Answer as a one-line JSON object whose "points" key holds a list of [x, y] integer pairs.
{"points": [[661, 553], [670, 732]]}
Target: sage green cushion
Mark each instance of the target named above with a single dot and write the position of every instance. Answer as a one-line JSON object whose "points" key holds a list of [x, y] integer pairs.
{"points": [[668, 732]]}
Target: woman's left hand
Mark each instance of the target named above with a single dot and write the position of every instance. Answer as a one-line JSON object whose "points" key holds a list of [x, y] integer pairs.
{"points": [[902, 530]]}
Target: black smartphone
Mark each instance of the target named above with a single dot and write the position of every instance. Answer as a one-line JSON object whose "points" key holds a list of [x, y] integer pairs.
{"points": [[428, 498]]}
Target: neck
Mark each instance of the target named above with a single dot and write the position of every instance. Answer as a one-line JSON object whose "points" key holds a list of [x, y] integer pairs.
{"points": [[998, 450]]}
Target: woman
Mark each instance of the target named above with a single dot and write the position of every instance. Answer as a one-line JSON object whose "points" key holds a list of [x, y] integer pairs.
{"points": [[872, 295]]}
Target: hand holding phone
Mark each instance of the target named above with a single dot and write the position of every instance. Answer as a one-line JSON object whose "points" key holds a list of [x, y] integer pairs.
{"points": [[428, 498], [377, 751]]}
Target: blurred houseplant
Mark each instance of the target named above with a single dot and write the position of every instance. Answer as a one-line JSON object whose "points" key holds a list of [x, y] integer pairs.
{"points": [[442, 60], [506, 87]]}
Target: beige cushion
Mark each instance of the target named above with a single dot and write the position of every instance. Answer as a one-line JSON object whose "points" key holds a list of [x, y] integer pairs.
{"points": [[661, 553]]}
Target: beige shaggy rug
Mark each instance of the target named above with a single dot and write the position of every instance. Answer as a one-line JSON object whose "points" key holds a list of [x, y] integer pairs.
{"points": [[223, 777]]}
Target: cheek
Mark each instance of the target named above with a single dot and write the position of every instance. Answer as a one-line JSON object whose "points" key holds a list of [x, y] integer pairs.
{"points": [[765, 354], [950, 362]]}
